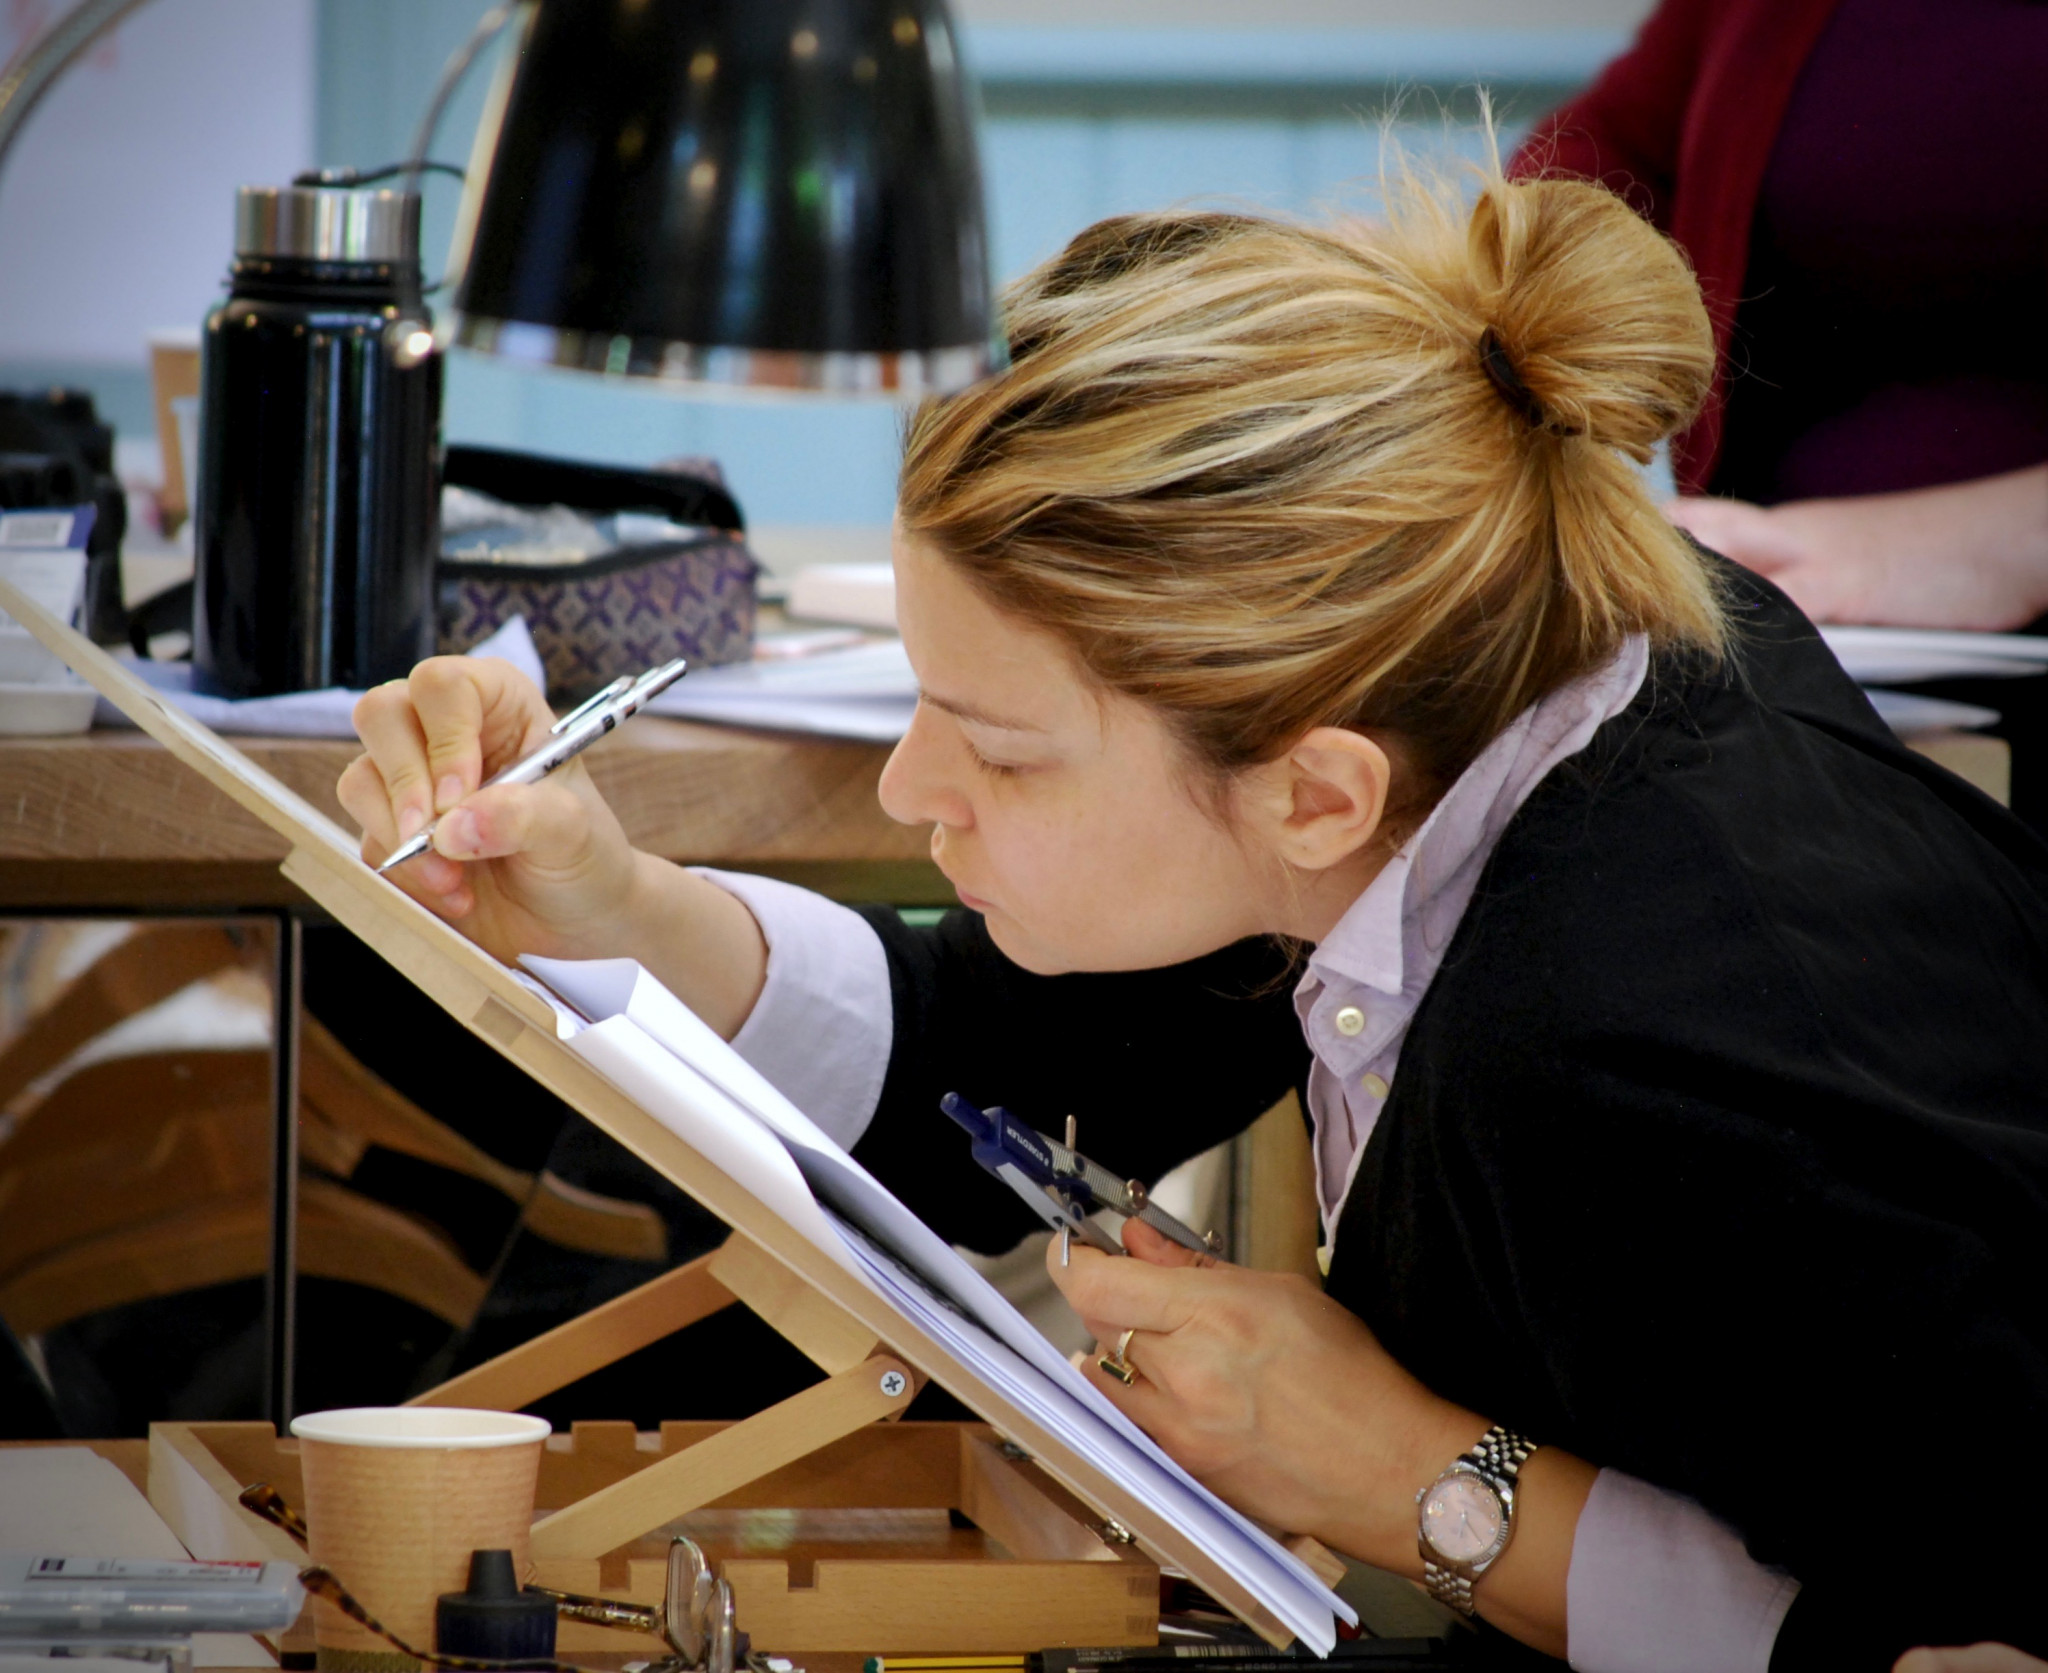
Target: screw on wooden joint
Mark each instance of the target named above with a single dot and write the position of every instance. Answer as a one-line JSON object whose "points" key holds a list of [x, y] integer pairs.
{"points": [[894, 1383], [1115, 1532]]}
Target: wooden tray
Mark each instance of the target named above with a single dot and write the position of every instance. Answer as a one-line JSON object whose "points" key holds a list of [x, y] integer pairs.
{"points": [[901, 1537]]}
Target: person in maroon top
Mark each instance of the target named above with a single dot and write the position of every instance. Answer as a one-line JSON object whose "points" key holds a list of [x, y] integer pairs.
{"points": [[1863, 188]]}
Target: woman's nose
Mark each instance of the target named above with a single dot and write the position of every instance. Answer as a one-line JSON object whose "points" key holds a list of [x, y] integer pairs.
{"points": [[918, 785]]}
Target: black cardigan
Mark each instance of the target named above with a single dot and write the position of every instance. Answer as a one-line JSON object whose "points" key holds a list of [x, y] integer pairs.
{"points": [[1718, 1150]]}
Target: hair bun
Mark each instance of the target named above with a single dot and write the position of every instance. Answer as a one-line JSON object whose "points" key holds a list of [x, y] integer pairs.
{"points": [[1595, 314]]}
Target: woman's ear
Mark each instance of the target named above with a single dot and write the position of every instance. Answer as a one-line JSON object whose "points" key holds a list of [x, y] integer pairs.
{"points": [[1323, 801]]}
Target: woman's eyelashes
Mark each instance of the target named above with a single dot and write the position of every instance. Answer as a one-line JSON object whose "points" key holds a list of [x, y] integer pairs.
{"points": [[994, 769]]}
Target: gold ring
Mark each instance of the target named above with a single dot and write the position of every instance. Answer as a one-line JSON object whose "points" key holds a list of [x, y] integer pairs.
{"points": [[1116, 1364]]}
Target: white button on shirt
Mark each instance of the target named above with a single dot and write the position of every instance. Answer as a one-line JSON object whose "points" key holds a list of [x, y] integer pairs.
{"points": [[1656, 1584]]}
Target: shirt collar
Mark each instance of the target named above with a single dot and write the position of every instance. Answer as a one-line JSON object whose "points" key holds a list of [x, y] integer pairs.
{"points": [[1393, 936]]}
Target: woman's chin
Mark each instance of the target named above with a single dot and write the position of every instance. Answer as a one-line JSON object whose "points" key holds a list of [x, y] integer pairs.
{"points": [[1020, 948]]}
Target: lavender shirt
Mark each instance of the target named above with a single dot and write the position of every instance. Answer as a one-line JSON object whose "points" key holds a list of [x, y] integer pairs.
{"points": [[1656, 1584]]}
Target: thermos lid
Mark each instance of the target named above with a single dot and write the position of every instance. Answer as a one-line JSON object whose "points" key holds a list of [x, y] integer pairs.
{"points": [[326, 223]]}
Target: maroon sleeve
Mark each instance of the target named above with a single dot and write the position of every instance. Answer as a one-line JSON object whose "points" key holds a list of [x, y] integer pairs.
{"points": [[1624, 130]]}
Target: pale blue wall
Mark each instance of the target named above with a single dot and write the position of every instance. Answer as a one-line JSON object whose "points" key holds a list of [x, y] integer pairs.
{"points": [[1078, 125]]}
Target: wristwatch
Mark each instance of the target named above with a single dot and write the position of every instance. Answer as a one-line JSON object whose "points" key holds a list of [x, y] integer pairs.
{"points": [[1468, 1516]]}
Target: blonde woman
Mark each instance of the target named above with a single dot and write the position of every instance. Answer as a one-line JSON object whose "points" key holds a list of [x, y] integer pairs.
{"points": [[1312, 698]]}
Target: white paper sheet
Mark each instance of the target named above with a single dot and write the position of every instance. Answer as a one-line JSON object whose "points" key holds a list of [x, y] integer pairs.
{"points": [[673, 1064], [299, 714], [1906, 655], [1910, 715], [686, 1104], [865, 691]]}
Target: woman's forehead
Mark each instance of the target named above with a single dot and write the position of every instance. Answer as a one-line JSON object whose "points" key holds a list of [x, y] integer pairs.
{"points": [[977, 662]]}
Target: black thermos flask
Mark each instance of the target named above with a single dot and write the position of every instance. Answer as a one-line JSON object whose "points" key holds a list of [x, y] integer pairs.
{"points": [[319, 463]]}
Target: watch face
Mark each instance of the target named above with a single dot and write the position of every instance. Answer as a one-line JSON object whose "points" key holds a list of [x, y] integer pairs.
{"points": [[1462, 1518]]}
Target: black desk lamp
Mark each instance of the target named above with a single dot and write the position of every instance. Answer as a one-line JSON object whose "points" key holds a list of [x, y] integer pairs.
{"points": [[765, 192]]}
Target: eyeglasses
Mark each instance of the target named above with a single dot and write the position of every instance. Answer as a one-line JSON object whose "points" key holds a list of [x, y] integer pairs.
{"points": [[695, 1619]]}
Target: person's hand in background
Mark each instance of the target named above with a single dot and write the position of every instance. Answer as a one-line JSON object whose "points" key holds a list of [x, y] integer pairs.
{"points": [[1977, 1658], [1969, 555]]}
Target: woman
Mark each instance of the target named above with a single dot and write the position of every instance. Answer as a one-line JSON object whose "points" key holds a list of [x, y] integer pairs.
{"points": [[1673, 1040]]}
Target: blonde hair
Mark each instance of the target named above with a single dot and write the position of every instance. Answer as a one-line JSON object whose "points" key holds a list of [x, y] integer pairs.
{"points": [[1262, 477]]}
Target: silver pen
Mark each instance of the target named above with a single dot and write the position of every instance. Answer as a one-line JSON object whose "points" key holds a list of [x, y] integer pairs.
{"points": [[568, 738]]}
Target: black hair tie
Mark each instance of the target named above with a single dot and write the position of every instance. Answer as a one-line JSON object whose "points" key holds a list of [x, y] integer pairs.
{"points": [[1499, 368]]}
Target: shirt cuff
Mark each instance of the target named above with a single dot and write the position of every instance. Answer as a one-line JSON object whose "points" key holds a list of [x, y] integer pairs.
{"points": [[1658, 1584], [822, 1029]]}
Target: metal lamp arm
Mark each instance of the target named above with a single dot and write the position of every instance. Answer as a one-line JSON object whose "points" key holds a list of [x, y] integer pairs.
{"points": [[411, 337], [42, 63], [38, 66]]}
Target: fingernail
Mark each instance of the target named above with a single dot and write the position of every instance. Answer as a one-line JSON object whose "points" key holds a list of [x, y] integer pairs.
{"points": [[410, 819], [456, 835], [448, 792]]}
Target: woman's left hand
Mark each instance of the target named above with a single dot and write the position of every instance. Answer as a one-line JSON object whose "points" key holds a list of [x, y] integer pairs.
{"points": [[1269, 1392], [1281, 1401]]}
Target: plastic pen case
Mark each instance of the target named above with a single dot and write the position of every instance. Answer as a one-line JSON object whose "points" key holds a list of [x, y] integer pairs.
{"points": [[113, 1597]]}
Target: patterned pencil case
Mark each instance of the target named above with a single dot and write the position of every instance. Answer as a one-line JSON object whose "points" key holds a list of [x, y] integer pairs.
{"points": [[613, 612]]}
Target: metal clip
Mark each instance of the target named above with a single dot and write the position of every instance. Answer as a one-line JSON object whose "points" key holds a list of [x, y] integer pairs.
{"points": [[1067, 1232], [621, 684], [1115, 1532]]}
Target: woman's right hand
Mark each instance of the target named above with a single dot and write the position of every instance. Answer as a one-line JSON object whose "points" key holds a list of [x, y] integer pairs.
{"points": [[521, 868]]}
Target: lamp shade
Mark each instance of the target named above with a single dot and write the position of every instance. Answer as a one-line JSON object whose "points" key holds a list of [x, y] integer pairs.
{"points": [[770, 192]]}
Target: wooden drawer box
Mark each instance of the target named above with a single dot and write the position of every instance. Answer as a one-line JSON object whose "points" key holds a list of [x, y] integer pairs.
{"points": [[900, 1537]]}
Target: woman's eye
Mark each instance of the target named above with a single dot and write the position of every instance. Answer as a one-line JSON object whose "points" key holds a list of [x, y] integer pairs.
{"points": [[995, 769]]}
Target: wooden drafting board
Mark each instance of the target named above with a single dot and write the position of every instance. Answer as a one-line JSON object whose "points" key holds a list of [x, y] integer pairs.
{"points": [[839, 1319]]}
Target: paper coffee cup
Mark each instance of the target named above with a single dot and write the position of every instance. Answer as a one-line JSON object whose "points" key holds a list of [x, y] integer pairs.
{"points": [[397, 1497]]}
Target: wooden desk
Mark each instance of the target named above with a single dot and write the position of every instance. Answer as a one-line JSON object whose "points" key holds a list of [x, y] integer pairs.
{"points": [[110, 821]]}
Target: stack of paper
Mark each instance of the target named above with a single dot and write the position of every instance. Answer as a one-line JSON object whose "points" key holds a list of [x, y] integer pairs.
{"points": [[1876, 657], [866, 692], [1908, 655], [648, 1043]]}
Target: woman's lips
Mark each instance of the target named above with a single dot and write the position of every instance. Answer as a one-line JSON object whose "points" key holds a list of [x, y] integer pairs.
{"points": [[973, 903]]}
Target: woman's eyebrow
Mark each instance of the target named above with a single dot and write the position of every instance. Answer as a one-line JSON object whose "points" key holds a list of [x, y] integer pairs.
{"points": [[979, 716]]}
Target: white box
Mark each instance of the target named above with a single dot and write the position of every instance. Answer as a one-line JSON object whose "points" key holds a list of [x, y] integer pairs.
{"points": [[55, 580]]}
